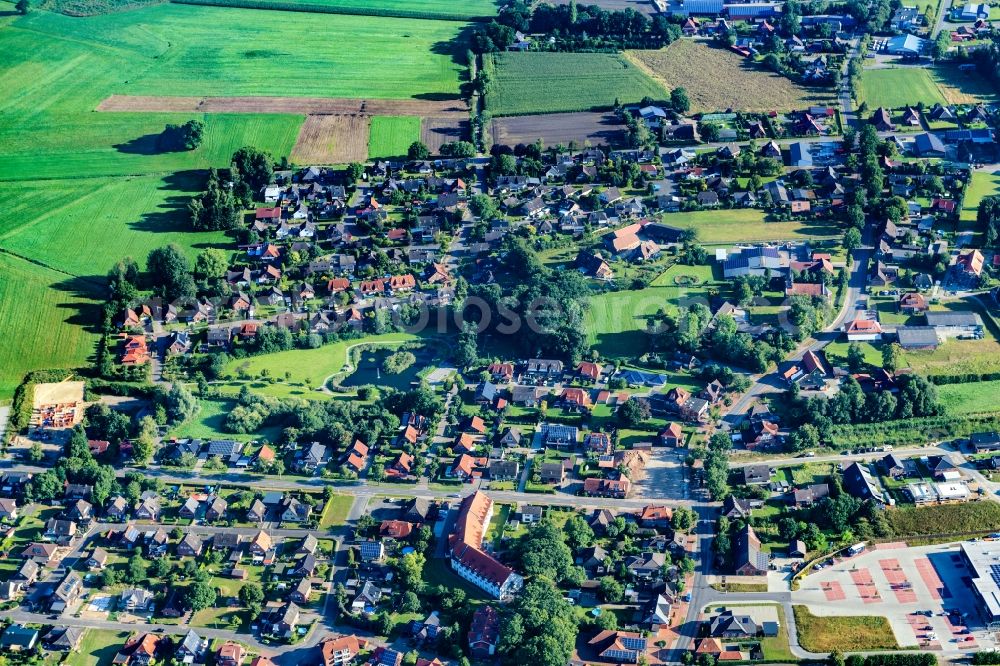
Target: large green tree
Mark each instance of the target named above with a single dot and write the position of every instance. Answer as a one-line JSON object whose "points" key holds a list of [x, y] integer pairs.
{"points": [[538, 627]]}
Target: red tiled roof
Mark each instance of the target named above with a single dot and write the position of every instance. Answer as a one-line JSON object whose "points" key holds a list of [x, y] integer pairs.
{"points": [[395, 529], [864, 326]]}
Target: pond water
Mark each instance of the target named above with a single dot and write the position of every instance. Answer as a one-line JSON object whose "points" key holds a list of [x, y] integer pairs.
{"points": [[369, 370]]}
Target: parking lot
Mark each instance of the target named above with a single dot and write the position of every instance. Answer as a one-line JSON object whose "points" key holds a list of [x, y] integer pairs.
{"points": [[920, 590]]}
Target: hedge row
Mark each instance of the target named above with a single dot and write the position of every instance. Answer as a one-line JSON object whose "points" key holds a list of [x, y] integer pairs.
{"points": [[913, 431], [964, 378], [898, 659]]}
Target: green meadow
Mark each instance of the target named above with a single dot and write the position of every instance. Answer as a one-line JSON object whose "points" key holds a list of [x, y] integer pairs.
{"points": [[47, 318], [391, 136], [617, 323]]}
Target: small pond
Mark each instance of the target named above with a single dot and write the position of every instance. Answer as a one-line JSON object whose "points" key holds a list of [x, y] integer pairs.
{"points": [[369, 370]]}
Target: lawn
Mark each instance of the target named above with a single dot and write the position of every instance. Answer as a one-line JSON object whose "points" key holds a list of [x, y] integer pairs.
{"points": [[437, 572], [843, 633], [48, 319], [310, 366], [747, 225], [336, 510], [391, 136], [525, 83], [971, 398], [97, 648], [218, 618], [717, 79], [900, 86], [617, 322], [982, 185], [209, 423]]}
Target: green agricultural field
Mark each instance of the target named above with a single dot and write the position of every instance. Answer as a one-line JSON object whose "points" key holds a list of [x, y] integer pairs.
{"points": [[747, 225], [53, 132], [48, 319], [102, 219], [311, 366], [427, 9], [525, 83], [180, 50], [897, 87], [974, 397], [391, 136]]}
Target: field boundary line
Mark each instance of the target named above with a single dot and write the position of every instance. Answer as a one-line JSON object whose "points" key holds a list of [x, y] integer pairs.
{"points": [[53, 211], [41, 264], [119, 51]]}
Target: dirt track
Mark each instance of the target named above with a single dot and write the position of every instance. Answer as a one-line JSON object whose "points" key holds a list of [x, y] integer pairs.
{"points": [[298, 105]]}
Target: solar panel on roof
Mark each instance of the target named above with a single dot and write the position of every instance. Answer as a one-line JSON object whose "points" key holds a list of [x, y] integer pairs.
{"points": [[634, 643]]}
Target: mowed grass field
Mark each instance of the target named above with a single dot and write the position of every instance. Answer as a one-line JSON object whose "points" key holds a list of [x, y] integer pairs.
{"points": [[433, 9], [971, 398], [746, 225], [900, 86], [47, 319], [101, 219], [717, 79], [983, 184], [182, 50], [526, 83], [391, 136], [617, 323], [312, 366]]}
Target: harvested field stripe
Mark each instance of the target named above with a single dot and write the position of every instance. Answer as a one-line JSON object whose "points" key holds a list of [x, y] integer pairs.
{"points": [[716, 78], [436, 131], [297, 105], [559, 128], [332, 139]]}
